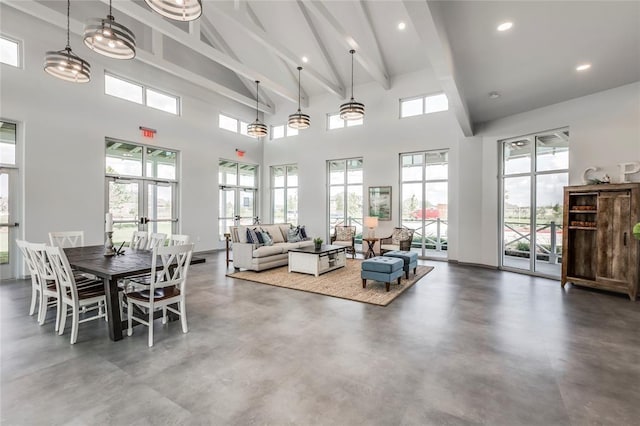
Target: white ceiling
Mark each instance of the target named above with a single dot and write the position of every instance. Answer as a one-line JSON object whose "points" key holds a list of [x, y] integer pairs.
{"points": [[532, 65]]}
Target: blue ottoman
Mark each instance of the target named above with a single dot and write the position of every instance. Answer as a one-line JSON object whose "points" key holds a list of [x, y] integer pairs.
{"points": [[410, 260], [383, 269]]}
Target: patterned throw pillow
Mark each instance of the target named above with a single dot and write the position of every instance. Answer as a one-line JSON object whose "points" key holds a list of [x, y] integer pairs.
{"points": [[303, 232], [400, 234], [293, 235], [343, 233], [267, 238], [252, 237]]}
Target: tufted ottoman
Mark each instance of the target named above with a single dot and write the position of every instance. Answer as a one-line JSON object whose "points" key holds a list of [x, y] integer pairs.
{"points": [[383, 269], [410, 260]]}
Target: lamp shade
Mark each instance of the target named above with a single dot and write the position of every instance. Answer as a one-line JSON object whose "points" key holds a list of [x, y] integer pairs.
{"points": [[109, 38], [371, 221], [178, 10]]}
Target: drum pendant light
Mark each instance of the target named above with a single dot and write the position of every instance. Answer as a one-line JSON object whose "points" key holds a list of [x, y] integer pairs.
{"points": [[178, 10], [352, 110], [257, 128], [66, 65], [109, 38], [298, 120]]}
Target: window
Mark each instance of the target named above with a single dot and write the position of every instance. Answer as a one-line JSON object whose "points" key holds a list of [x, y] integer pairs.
{"points": [[9, 198], [345, 195], [282, 131], [233, 125], [7, 144], [335, 122], [9, 52], [136, 92], [136, 192], [238, 189], [410, 107], [535, 169], [424, 189], [284, 194]]}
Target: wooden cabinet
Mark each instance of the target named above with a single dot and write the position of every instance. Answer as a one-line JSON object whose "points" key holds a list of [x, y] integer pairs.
{"points": [[598, 247]]}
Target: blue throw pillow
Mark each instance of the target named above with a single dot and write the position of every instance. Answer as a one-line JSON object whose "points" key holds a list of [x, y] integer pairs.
{"points": [[267, 238], [292, 235]]}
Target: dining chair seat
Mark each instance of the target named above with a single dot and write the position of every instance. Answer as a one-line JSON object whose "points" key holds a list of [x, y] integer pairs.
{"points": [[158, 294]]}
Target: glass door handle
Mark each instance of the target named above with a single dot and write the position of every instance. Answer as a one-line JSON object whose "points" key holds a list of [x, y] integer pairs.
{"points": [[10, 225]]}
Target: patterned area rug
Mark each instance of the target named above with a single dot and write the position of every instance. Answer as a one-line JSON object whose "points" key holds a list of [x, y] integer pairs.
{"points": [[344, 283]]}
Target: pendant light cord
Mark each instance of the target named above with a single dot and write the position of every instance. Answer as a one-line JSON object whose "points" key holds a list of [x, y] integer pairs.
{"points": [[299, 69], [68, 11], [257, 95], [352, 52]]}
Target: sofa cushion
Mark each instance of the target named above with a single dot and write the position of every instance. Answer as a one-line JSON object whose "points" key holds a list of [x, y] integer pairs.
{"points": [[274, 232], [242, 234], [268, 250], [306, 243], [284, 229], [288, 246]]}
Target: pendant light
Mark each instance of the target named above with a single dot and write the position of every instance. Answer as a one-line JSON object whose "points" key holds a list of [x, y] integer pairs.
{"points": [[298, 120], [109, 38], [178, 10], [65, 64], [352, 110], [257, 128]]}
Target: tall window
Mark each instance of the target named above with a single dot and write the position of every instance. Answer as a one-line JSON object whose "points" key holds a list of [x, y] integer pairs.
{"points": [[284, 194], [534, 171], [345, 178], [142, 185], [424, 192], [9, 193], [238, 189]]}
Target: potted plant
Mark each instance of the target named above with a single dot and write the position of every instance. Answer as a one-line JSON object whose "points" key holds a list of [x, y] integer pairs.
{"points": [[317, 243]]}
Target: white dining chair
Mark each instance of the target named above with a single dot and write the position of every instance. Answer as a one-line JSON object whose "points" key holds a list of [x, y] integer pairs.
{"points": [[178, 240], [46, 278], [139, 240], [33, 273], [166, 288], [66, 239], [88, 298], [156, 240]]}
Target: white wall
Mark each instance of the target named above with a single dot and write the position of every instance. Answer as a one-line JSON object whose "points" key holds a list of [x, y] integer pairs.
{"points": [[379, 142], [65, 125], [604, 131]]}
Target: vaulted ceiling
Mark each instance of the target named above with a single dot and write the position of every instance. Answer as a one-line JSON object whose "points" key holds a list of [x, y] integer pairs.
{"points": [[238, 41]]}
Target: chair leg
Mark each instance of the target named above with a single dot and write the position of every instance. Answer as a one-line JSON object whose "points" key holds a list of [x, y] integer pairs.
{"points": [[150, 327], [63, 318], [75, 319], [34, 296], [129, 318], [164, 315], [58, 308], [42, 312], [183, 316]]}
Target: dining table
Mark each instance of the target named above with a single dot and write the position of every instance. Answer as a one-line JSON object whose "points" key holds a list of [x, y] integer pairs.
{"points": [[111, 269]]}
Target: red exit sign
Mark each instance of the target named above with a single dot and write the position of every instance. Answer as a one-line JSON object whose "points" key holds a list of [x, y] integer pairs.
{"points": [[147, 132]]}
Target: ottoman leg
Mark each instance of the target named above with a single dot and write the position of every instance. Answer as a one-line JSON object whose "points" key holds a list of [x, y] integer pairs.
{"points": [[399, 278], [414, 270], [364, 283], [407, 274], [388, 286]]}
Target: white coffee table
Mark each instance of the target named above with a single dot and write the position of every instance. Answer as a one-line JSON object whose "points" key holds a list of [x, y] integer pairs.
{"points": [[307, 260]]}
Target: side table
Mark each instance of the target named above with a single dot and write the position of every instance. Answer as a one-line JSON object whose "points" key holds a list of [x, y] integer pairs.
{"points": [[371, 242]]}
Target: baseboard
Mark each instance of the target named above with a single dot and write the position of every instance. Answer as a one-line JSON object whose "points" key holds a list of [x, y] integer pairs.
{"points": [[475, 265]]}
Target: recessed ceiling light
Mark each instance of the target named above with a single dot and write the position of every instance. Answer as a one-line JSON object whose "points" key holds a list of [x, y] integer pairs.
{"points": [[402, 26], [494, 95], [505, 26], [305, 59], [583, 67]]}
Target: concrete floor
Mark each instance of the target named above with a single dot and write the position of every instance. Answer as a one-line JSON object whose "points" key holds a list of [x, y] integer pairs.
{"points": [[463, 346]]}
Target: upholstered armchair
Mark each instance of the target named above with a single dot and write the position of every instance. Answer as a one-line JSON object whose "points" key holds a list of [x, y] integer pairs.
{"points": [[345, 236], [400, 239]]}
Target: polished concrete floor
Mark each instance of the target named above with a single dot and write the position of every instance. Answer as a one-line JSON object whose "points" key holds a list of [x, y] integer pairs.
{"points": [[463, 346]]}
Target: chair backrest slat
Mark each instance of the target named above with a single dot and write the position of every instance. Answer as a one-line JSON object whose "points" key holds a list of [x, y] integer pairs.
{"points": [[64, 275], [66, 239], [178, 240], [139, 240], [156, 240], [175, 265], [28, 259]]}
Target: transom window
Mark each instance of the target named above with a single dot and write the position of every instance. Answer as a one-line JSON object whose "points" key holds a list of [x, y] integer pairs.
{"points": [[282, 131], [9, 52], [233, 125], [335, 122], [410, 107], [140, 94], [127, 159], [284, 194]]}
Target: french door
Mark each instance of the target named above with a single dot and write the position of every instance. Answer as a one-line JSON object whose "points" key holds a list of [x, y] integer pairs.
{"points": [[8, 222], [141, 205], [237, 195]]}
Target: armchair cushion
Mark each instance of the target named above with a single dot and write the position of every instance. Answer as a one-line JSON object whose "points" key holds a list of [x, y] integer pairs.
{"points": [[401, 234], [344, 233]]}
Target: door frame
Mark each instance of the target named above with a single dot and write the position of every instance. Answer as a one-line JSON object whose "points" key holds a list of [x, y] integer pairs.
{"points": [[16, 267]]}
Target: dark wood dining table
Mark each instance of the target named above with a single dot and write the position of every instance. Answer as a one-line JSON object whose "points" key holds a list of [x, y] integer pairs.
{"points": [[111, 269]]}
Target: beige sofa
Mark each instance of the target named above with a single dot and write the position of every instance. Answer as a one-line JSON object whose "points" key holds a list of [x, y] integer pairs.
{"points": [[249, 256]]}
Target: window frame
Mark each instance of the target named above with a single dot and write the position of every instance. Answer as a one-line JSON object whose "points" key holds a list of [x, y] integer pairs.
{"points": [[239, 124], [345, 123], [20, 50], [144, 87], [424, 104], [286, 187]]}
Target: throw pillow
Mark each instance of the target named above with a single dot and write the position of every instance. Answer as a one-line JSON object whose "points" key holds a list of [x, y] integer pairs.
{"points": [[267, 238], [293, 235], [258, 232], [303, 232], [252, 237], [400, 234], [343, 233]]}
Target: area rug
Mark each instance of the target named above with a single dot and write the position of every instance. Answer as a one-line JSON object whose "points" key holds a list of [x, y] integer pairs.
{"points": [[344, 283]]}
